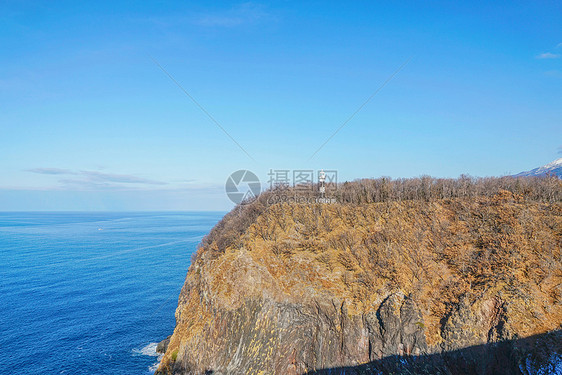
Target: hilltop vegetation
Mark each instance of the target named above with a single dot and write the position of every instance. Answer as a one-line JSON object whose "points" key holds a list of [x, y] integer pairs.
{"points": [[395, 267], [364, 191]]}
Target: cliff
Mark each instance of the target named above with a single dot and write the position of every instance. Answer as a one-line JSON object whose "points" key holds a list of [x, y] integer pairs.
{"points": [[459, 285]]}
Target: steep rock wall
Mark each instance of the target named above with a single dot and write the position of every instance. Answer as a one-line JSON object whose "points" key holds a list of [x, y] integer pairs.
{"points": [[305, 289]]}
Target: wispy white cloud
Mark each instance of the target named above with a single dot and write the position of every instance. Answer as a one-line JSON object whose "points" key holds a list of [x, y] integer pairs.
{"points": [[86, 184], [245, 13], [50, 171], [559, 45], [553, 73], [548, 55], [122, 178], [95, 179]]}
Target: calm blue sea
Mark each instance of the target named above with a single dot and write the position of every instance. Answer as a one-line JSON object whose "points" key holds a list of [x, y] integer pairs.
{"points": [[91, 293]]}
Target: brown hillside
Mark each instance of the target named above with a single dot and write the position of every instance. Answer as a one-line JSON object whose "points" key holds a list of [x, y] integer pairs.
{"points": [[291, 288]]}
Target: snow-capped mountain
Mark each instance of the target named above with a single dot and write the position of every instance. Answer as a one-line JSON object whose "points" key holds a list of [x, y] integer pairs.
{"points": [[554, 168]]}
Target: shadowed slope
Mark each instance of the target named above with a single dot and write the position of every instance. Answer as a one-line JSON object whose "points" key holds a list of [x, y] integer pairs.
{"points": [[538, 354]]}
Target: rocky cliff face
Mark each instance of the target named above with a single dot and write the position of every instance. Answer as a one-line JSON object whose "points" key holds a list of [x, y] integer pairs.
{"points": [[450, 286]]}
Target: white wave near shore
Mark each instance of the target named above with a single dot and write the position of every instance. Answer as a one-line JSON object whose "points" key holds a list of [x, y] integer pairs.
{"points": [[150, 350]]}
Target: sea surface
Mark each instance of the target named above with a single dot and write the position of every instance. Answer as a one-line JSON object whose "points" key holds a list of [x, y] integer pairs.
{"points": [[92, 293]]}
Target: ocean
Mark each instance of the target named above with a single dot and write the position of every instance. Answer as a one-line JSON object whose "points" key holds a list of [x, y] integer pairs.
{"points": [[92, 293]]}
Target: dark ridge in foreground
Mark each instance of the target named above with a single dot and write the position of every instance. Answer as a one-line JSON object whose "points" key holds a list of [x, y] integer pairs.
{"points": [[400, 276]]}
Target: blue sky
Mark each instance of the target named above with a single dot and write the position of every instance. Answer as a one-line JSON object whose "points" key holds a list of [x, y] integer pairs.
{"points": [[89, 122]]}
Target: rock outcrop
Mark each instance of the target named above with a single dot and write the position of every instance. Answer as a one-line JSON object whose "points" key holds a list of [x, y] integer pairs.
{"points": [[163, 345], [449, 286]]}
